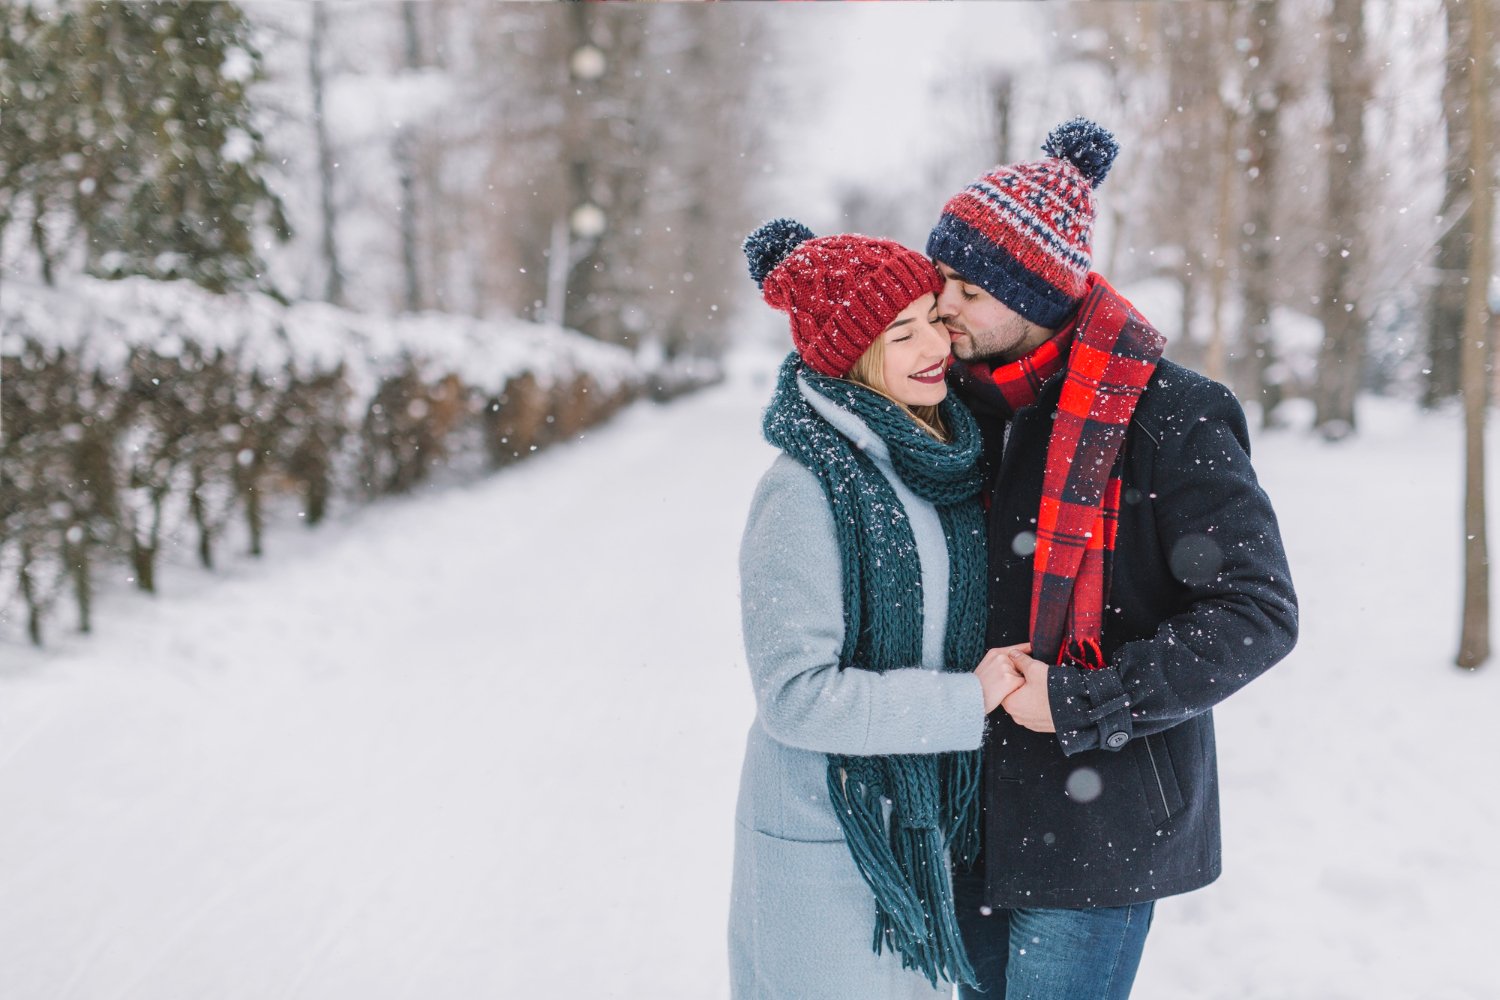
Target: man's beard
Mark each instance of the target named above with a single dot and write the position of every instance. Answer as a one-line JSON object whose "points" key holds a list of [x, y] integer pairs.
{"points": [[1000, 346]]}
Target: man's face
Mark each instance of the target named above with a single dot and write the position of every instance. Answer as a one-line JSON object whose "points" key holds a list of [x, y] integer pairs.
{"points": [[981, 326]]}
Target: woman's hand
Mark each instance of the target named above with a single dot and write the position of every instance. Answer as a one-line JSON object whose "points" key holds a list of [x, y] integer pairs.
{"points": [[999, 675]]}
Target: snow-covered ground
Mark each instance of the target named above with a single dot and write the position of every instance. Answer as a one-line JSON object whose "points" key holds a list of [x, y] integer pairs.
{"points": [[485, 743]]}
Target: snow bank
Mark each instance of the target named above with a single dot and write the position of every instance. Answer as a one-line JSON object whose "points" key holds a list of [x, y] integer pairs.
{"points": [[487, 744], [102, 321]]}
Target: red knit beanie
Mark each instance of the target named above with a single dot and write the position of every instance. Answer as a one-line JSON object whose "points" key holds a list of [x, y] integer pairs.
{"points": [[840, 291]]}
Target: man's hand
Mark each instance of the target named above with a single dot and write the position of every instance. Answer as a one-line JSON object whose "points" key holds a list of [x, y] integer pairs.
{"points": [[1029, 704], [999, 675]]}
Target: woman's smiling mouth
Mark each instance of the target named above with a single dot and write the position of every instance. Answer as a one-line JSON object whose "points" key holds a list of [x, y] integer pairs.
{"points": [[931, 376]]}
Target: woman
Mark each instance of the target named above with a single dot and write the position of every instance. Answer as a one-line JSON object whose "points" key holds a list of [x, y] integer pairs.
{"points": [[862, 590]]}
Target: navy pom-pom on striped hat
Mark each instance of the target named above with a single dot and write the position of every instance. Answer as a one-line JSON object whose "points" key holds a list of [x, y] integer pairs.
{"points": [[840, 291], [1024, 232]]}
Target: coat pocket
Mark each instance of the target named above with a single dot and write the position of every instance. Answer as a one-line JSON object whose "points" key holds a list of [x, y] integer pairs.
{"points": [[1159, 785]]}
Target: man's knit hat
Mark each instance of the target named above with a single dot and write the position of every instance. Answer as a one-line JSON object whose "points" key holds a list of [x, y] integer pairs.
{"points": [[1024, 232], [840, 291]]}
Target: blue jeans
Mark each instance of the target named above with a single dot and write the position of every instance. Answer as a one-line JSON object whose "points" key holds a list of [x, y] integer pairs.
{"points": [[1043, 954]]}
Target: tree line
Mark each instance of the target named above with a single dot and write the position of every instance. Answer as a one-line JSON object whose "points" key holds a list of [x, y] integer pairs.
{"points": [[573, 163], [1311, 157]]}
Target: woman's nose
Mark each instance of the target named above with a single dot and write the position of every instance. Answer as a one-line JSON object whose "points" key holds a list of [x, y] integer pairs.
{"points": [[936, 338]]}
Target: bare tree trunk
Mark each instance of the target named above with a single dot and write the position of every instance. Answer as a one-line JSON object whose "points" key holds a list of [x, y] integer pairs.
{"points": [[143, 560], [1342, 354], [585, 143], [255, 518], [1260, 191], [1217, 363], [1474, 643], [406, 171], [77, 556], [39, 242], [333, 288], [406, 168], [1445, 318], [559, 265], [199, 510], [29, 595], [1002, 94], [1188, 279]]}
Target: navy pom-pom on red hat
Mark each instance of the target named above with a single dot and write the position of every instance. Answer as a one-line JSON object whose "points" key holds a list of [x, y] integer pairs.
{"points": [[771, 244]]}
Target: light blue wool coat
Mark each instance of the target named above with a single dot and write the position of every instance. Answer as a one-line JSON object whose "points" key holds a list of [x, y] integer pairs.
{"points": [[801, 917]]}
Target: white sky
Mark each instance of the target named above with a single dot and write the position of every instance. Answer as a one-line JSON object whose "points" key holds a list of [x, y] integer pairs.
{"points": [[890, 96]]}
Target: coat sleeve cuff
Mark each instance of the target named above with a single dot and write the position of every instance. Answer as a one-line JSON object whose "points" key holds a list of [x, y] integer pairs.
{"points": [[1090, 709]]}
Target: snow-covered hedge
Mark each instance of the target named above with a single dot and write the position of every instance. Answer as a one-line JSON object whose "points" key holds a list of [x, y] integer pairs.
{"points": [[137, 414]]}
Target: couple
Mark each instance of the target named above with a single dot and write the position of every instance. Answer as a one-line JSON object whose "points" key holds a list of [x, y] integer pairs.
{"points": [[988, 604]]}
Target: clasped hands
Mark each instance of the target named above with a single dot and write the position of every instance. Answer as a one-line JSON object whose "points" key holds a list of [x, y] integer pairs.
{"points": [[1016, 682]]}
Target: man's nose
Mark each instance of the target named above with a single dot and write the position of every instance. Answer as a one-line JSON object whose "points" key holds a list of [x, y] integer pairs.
{"points": [[947, 304]]}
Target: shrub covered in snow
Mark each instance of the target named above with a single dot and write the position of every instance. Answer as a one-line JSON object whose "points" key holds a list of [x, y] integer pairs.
{"points": [[138, 414]]}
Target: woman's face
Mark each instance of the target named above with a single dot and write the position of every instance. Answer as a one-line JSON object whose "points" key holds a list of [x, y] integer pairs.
{"points": [[916, 355]]}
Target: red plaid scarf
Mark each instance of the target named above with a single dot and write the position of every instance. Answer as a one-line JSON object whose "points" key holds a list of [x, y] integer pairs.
{"points": [[1109, 352]]}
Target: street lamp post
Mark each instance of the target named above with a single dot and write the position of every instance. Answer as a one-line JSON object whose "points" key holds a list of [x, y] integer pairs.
{"points": [[572, 239], [575, 235]]}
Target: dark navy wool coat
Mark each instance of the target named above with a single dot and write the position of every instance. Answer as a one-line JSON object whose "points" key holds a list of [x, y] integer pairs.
{"points": [[1121, 804]]}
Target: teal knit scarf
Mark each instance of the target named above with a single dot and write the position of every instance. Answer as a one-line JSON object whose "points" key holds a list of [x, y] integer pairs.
{"points": [[934, 800]]}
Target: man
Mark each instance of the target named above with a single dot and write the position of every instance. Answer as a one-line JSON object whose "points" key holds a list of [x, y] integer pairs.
{"points": [[1131, 545]]}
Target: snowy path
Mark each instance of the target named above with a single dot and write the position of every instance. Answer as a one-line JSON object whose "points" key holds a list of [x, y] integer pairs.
{"points": [[487, 746]]}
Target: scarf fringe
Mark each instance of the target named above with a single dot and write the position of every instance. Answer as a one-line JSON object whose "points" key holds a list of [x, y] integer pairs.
{"points": [[860, 808], [1084, 653], [960, 777], [939, 952], [907, 870]]}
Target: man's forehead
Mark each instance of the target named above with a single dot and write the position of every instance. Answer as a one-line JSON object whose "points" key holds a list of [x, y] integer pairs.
{"points": [[950, 273]]}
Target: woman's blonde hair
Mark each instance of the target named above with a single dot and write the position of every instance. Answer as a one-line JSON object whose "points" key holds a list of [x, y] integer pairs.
{"points": [[869, 371]]}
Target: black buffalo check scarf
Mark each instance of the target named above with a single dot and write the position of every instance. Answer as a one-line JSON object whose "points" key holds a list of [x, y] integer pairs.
{"points": [[1108, 351]]}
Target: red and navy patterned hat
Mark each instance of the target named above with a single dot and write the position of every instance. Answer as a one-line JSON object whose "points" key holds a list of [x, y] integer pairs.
{"points": [[1024, 232], [840, 291]]}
